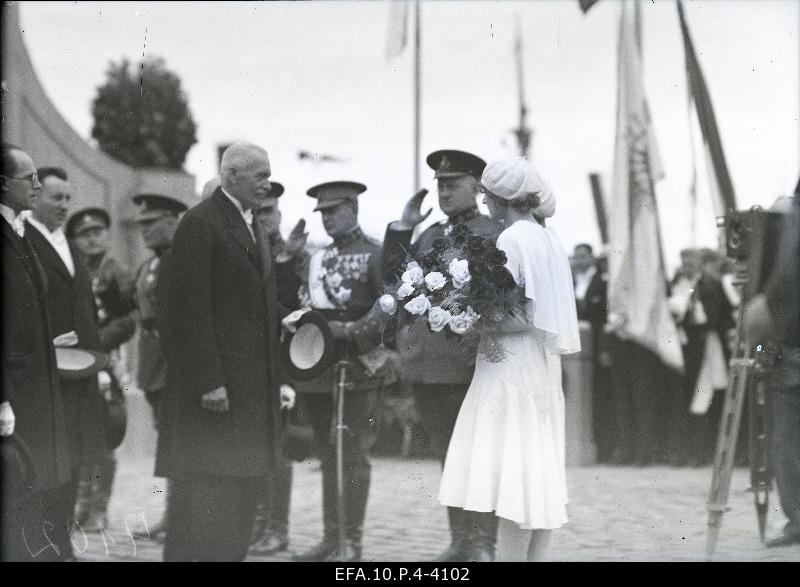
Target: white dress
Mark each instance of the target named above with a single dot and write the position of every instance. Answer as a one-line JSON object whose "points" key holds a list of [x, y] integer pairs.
{"points": [[507, 450]]}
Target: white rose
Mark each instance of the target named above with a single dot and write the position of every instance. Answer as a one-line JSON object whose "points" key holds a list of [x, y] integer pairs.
{"points": [[413, 275], [344, 295], [388, 304], [334, 280], [405, 290], [459, 270], [438, 318], [435, 280], [460, 323], [419, 305]]}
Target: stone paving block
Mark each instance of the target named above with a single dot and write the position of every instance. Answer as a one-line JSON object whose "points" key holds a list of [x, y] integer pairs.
{"points": [[616, 514]]}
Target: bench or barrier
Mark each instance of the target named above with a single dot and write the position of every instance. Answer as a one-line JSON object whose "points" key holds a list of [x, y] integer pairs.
{"points": [[581, 450]]}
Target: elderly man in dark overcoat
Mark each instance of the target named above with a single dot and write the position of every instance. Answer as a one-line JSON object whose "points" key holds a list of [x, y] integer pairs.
{"points": [[31, 407], [439, 368], [222, 316]]}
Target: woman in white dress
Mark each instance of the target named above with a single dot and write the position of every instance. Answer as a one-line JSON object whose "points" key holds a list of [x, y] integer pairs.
{"points": [[507, 450]]}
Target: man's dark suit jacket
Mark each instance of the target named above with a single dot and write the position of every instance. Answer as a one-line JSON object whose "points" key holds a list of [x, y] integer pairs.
{"points": [[222, 329], [30, 379], [71, 306]]}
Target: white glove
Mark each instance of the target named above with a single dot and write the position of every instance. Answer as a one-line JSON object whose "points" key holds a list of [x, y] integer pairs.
{"points": [[7, 419], [67, 339], [290, 320], [288, 396]]}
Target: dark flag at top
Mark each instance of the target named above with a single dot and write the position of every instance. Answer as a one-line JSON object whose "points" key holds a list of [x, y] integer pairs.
{"points": [[587, 4]]}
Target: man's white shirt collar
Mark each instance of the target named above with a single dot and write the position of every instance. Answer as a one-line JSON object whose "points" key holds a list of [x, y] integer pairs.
{"points": [[58, 239], [582, 281], [247, 215], [17, 221]]}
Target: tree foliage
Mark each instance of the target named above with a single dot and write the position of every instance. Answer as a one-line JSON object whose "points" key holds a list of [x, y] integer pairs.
{"points": [[141, 115]]}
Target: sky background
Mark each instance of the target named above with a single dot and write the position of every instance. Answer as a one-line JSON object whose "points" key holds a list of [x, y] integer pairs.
{"points": [[314, 76]]}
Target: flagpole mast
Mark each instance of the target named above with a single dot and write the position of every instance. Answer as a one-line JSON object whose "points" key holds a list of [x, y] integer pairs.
{"points": [[523, 132], [417, 93]]}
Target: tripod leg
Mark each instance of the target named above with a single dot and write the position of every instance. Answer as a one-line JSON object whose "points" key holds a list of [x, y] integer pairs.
{"points": [[728, 436], [760, 473]]}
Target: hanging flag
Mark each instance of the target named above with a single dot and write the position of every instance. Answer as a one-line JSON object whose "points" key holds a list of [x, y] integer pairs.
{"points": [[397, 36], [723, 197], [637, 288], [587, 4]]}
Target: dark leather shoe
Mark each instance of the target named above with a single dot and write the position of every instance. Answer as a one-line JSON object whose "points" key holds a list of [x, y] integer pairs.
{"points": [[270, 544], [316, 553], [784, 539], [351, 554], [457, 552]]}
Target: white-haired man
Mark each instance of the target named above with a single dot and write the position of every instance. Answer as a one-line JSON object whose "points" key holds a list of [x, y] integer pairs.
{"points": [[221, 343]]}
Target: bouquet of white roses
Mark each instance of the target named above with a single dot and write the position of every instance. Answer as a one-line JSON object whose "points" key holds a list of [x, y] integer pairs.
{"points": [[460, 287]]}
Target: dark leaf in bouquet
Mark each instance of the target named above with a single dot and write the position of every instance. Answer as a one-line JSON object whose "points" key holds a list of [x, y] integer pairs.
{"points": [[476, 244], [430, 262], [494, 256], [502, 278], [439, 245], [459, 233], [478, 268]]}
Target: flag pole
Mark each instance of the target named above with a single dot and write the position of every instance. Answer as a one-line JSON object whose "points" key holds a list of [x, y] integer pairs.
{"points": [[417, 93]]}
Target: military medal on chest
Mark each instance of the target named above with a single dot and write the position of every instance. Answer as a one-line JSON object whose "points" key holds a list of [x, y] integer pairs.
{"points": [[151, 271]]}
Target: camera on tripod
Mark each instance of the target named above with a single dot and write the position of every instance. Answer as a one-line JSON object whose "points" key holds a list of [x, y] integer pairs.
{"points": [[751, 238]]}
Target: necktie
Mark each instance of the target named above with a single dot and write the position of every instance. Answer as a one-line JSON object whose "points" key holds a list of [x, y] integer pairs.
{"points": [[262, 240]]}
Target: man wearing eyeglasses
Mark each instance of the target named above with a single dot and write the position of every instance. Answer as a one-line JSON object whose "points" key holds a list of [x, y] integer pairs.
{"points": [[31, 407]]}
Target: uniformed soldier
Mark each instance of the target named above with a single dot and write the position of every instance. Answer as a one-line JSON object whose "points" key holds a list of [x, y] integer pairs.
{"points": [[439, 368], [112, 285], [158, 219], [271, 527], [343, 282]]}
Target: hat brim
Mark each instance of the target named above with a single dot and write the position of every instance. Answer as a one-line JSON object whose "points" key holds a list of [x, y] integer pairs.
{"points": [[89, 226], [449, 174], [331, 204], [311, 349], [151, 215], [74, 363]]}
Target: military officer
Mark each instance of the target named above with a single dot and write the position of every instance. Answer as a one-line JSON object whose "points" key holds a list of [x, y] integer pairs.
{"points": [[157, 218], [342, 282], [271, 527], [440, 369], [112, 285]]}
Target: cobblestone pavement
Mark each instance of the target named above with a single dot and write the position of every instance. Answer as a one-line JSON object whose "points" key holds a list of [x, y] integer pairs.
{"points": [[616, 514]]}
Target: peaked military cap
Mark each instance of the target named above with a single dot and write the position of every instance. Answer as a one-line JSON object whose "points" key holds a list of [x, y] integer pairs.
{"points": [[85, 219], [333, 193], [453, 163], [275, 192], [153, 206]]}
